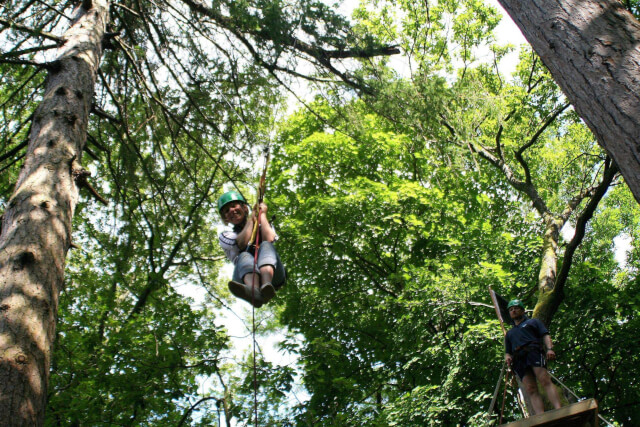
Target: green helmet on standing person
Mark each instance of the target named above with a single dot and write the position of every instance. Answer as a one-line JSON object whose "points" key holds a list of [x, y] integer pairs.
{"points": [[515, 303], [228, 197]]}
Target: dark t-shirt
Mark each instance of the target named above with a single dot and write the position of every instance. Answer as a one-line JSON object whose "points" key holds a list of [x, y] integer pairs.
{"points": [[527, 332]]}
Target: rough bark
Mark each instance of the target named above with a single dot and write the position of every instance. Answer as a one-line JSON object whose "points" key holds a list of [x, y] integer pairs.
{"points": [[548, 267], [591, 49], [36, 227]]}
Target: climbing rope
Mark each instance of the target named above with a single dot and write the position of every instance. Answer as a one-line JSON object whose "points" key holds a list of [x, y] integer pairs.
{"points": [[576, 396], [253, 335], [261, 190], [256, 232], [255, 241], [495, 392], [253, 322], [504, 395]]}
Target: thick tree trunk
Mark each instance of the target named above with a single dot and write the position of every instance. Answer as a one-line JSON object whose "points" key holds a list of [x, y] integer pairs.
{"points": [[36, 227], [591, 49], [547, 295]]}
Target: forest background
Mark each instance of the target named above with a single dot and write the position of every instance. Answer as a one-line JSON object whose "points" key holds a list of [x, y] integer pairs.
{"points": [[400, 193]]}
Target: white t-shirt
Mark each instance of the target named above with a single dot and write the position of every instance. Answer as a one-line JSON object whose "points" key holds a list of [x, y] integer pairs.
{"points": [[229, 245]]}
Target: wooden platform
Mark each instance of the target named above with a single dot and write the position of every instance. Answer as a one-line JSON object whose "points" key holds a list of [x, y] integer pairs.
{"points": [[581, 414]]}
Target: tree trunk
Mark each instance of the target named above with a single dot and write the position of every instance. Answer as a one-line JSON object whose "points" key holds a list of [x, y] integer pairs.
{"points": [[36, 226], [590, 48], [547, 295]]}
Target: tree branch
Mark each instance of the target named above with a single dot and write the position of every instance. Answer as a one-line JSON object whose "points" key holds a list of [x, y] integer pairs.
{"points": [[322, 56], [195, 405], [15, 150], [23, 62], [534, 139], [525, 187], [29, 30], [609, 174], [26, 51]]}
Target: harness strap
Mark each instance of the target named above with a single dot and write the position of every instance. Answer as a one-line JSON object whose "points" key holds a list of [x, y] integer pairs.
{"points": [[525, 349]]}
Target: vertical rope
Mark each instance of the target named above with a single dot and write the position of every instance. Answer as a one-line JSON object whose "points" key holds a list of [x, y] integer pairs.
{"points": [[576, 396], [495, 392], [255, 375], [504, 395], [256, 235], [253, 319]]}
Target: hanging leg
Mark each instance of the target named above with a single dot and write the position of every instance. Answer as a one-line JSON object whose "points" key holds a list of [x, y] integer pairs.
{"points": [[242, 284], [267, 261], [267, 290], [246, 292]]}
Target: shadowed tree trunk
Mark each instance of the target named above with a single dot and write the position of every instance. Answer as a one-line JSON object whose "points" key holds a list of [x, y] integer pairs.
{"points": [[591, 49], [36, 226]]}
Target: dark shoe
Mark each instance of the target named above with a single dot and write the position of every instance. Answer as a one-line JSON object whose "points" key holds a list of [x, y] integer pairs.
{"points": [[244, 292], [267, 291]]}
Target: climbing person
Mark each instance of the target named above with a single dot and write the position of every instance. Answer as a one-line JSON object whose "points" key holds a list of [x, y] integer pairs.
{"points": [[524, 352], [269, 271]]}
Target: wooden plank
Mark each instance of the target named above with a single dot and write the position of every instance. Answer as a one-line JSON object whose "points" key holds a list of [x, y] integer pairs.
{"points": [[581, 414]]}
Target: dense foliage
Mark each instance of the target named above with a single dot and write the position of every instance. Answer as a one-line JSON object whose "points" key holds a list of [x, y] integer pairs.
{"points": [[403, 208], [390, 257]]}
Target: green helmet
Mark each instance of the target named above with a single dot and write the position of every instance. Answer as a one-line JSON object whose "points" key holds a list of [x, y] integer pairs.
{"points": [[515, 303], [228, 197]]}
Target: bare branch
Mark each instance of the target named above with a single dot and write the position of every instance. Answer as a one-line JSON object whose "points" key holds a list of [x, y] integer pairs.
{"points": [[100, 112], [22, 62], [219, 401], [33, 31], [29, 50], [13, 162], [525, 187], [610, 172], [534, 139], [14, 150], [320, 55]]}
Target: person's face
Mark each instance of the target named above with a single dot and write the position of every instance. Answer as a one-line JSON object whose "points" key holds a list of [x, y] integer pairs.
{"points": [[234, 212], [516, 312]]}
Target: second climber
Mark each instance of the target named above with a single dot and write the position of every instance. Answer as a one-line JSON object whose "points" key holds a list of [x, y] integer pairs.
{"points": [[269, 271]]}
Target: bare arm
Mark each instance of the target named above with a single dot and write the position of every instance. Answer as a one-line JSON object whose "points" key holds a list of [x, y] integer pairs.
{"points": [[245, 235], [508, 357], [551, 355], [267, 233]]}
